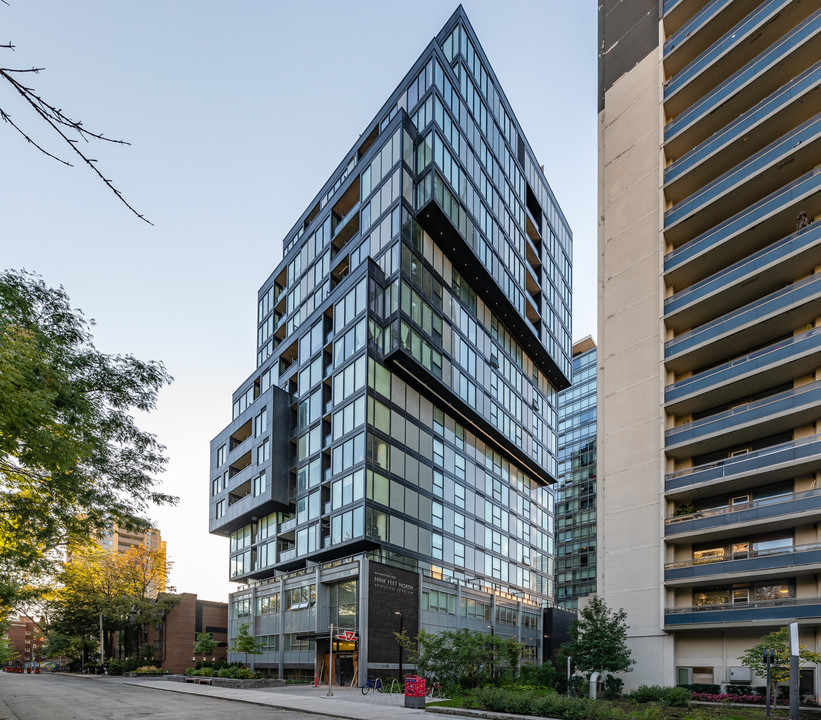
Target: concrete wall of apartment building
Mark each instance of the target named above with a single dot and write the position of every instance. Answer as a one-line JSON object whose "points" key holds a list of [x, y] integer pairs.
{"points": [[630, 373]]}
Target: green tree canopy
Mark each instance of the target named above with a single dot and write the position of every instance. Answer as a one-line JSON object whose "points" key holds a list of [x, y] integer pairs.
{"points": [[72, 459], [599, 640]]}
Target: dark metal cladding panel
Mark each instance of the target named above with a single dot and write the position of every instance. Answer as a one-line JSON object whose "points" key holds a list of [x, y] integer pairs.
{"points": [[628, 31]]}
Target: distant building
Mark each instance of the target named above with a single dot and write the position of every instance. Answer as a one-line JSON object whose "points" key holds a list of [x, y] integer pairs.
{"points": [[173, 638], [117, 539], [26, 638], [576, 494]]}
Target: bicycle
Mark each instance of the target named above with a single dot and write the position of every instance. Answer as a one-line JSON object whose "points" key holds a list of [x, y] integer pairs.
{"points": [[373, 684], [434, 689]]}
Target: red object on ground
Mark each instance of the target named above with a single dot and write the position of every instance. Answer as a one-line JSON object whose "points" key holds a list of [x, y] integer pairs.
{"points": [[414, 686]]}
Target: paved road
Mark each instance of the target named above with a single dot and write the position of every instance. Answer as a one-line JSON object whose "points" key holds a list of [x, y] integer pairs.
{"points": [[56, 697]]}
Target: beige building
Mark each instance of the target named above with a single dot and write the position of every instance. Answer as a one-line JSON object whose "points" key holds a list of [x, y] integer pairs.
{"points": [[709, 355]]}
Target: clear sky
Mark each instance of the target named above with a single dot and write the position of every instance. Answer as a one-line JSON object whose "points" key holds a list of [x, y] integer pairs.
{"points": [[237, 114]]}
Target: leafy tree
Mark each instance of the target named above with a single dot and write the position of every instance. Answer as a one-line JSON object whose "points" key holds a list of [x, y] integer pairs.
{"points": [[121, 588], [72, 459], [7, 652], [245, 643], [599, 640], [205, 644], [780, 665], [462, 658]]}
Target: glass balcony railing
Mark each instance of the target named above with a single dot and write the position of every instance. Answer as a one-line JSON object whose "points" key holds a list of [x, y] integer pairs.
{"points": [[749, 25], [789, 400], [800, 240], [781, 609], [799, 35], [798, 293], [792, 453], [763, 509], [771, 355], [785, 95], [807, 184], [692, 26], [745, 171]]}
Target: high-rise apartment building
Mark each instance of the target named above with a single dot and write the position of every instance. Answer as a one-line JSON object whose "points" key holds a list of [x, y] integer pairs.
{"points": [[389, 462], [709, 347], [576, 488]]}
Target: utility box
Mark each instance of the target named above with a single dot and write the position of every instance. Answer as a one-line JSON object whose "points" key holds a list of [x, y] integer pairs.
{"points": [[740, 675]]}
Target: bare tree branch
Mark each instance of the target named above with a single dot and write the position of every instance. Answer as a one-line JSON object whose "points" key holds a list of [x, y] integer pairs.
{"points": [[61, 124]]}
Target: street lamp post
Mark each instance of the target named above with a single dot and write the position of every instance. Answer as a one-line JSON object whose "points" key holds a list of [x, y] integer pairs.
{"points": [[492, 653], [401, 630]]}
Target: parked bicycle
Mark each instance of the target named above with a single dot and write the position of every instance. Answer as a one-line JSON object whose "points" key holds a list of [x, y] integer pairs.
{"points": [[434, 689], [373, 684]]}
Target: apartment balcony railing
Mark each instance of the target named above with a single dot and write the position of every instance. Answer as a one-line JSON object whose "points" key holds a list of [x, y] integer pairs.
{"points": [[777, 303], [764, 509], [741, 127], [780, 610], [777, 355], [802, 241], [794, 403], [804, 33], [750, 25], [750, 563], [798, 191], [732, 188], [792, 457], [694, 24]]}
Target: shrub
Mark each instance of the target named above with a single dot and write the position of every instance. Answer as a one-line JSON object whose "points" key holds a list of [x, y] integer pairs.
{"points": [[537, 675], [613, 687], [704, 687], [149, 670], [674, 696]]}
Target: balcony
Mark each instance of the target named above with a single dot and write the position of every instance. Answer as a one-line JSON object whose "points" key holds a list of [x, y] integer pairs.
{"points": [[787, 107], [767, 612], [699, 32], [770, 464], [676, 13], [787, 57], [797, 560], [769, 218], [760, 174], [776, 513], [751, 373], [742, 282], [766, 319], [739, 44], [743, 423]]}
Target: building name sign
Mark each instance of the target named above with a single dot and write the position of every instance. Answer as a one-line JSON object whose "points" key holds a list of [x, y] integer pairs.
{"points": [[393, 585]]}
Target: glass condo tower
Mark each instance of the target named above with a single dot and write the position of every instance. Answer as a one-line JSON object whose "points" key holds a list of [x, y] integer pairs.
{"points": [[389, 462]]}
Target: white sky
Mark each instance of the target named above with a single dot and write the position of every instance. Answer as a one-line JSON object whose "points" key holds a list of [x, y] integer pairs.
{"points": [[238, 113]]}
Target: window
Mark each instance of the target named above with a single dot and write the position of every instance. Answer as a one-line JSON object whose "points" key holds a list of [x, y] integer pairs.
{"points": [[379, 451], [437, 514], [260, 423], [342, 604], [438, 483], [242, 607], [258, 484], [219, 509], [221, 453], [459, 495], [299, 598], [263, 451], [436, 545], [439, 602], [268, 604], [349, 453]]}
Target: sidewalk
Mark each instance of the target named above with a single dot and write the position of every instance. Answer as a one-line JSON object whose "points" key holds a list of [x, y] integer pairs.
{"points": [[345, 703]]}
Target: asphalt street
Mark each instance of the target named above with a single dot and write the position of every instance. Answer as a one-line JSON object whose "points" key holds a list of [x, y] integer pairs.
{"points": [[59, 697]]}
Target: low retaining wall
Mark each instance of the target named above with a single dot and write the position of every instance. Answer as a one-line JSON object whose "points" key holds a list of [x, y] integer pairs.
{"points": [[233, 682]]}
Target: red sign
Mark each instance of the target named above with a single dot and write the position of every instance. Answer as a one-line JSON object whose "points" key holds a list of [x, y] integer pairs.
{"points": [[347, 636]]}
